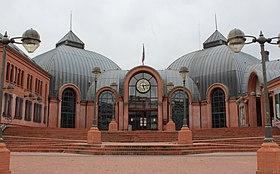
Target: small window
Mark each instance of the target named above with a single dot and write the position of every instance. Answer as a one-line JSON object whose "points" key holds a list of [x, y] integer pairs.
{"points": [[18, 113], [28, 111]]}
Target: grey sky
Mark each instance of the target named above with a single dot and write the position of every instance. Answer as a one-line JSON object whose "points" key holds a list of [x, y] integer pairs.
{"points": [[117, 28]]}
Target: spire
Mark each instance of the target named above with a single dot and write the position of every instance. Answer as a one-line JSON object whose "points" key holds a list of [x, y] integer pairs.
{"points": [[215, 39], [71, 20], [216, 24]]}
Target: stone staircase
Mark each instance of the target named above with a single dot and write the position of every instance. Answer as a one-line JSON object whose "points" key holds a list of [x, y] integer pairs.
{"points": [[26, 139]]}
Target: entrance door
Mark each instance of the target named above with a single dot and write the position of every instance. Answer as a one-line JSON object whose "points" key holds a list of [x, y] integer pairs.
{"points": [[143, 120]]}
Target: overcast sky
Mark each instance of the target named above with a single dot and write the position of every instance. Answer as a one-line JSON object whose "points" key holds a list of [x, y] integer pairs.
{"points": [[117, 28]]}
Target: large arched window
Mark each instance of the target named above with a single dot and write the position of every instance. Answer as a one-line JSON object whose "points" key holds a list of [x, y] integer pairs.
{"points": [[106, 109], [218, 108], [68, 108], [177, 108], [143, 102]]}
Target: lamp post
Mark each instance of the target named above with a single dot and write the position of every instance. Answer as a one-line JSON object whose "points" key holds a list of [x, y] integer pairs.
{"points": [[96, 73], [30, 40], [184, 72], [269, 151], [185, 134], [94, 135]]}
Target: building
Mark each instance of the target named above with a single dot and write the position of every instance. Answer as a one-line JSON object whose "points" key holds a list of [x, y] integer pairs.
{"points": [[223, 89], [26, 90]]}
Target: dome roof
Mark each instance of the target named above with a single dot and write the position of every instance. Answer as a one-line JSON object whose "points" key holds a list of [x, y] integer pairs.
{"points": [[106, 79], [272, 72], [69, 62], [174, 77], [216, 63]]}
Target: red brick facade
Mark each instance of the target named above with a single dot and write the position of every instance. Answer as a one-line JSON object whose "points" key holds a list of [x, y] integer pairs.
{"points": [[200, 113], [26, 91]]}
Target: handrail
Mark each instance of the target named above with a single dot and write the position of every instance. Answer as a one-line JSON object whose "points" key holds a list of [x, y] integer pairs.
{"points": [[276, 123]]}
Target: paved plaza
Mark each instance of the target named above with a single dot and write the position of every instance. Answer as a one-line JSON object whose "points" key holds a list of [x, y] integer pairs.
{"points": [[61, 163]]}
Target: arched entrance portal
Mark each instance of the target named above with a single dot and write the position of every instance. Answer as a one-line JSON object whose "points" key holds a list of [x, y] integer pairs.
{"points": [[143, 102], [68, 108]]}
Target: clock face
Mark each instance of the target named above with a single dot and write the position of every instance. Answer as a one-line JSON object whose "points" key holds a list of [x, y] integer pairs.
{"points": [[143, 85]]}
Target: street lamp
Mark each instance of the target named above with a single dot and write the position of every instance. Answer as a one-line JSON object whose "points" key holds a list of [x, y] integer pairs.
{"points": [[96, 73], [30, 40], [268, 156], [236, 41], [184, 72]]}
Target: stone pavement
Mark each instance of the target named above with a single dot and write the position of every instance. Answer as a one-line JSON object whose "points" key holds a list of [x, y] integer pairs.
{"points": [[61, 163]]}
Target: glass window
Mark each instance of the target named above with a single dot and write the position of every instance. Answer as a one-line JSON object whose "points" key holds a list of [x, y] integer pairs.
{"points": [[28, 111], [37, 113], [277, 105], [177, 105], [106, 109], [143, 105], [7, 105], [19, 102], [68, 108], [218, 108]]}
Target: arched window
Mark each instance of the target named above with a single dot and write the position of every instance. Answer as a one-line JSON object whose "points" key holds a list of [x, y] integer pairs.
{"points": [[143, 102], [218, 108], [68, 108], [106, 109], [177, 108]]}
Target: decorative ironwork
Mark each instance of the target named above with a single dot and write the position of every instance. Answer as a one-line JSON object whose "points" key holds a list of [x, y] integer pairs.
{"points": [[177, 108], [68, 108], [218, 108], [106, 110]]}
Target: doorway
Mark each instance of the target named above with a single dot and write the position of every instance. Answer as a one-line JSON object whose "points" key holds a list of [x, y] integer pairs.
{"points": [[143, 120]]}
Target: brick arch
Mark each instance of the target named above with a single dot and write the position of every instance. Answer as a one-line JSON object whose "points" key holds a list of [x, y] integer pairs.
{"points": [[72, 86], [254, 110], [115, 94], [217, 85], [180, 88], [78, 100], [252, 82], [107, 88], [209, 92], [189, 94], [156, 75]]}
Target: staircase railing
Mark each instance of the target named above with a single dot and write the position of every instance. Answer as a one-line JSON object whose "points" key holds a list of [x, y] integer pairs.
{"points": [[3, 126], [276, 123]]}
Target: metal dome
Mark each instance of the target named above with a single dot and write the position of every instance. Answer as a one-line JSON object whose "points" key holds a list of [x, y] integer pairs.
{"points": [[106, 79], [216, 64], [174, 77], [70, 63], [272, 72]]}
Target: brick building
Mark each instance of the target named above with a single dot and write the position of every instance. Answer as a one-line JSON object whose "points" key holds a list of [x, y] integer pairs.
{"points": [[223, 89], [26, 90]]}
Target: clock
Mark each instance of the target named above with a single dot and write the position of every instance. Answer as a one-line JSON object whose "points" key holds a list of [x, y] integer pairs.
{"points": [[143, 85]]}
